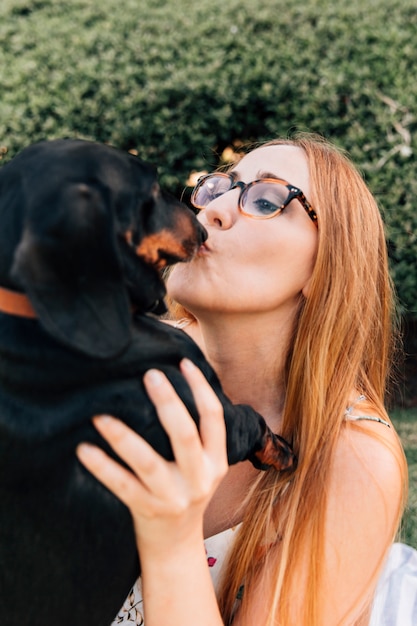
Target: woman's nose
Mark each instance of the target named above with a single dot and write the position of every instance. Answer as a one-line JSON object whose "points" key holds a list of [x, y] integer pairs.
{"points": [[223, 211]]}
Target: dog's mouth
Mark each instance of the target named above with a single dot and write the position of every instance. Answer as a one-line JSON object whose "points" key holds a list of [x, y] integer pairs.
{"points": [[162, 249]]}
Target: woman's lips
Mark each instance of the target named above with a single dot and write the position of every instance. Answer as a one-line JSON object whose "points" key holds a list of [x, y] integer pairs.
{"points": [[203, 249]]}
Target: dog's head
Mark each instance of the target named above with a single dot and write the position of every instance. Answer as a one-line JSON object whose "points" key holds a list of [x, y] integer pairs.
{"points": [[86, 231]]}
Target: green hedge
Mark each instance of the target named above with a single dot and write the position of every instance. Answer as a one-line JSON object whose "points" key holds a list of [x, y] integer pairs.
{"points": [[179, 81]]}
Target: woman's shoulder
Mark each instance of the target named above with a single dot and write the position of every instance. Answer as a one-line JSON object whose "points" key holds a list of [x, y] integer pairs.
{"points": [[365, 499], [370, 448], [369, 466], [369, 433]]}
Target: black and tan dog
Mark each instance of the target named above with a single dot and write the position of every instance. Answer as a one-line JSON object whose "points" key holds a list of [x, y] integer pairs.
{"points": [[84, 233]]}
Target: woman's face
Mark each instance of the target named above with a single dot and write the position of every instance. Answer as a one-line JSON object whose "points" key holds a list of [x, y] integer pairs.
{"points": [[249, 265]]}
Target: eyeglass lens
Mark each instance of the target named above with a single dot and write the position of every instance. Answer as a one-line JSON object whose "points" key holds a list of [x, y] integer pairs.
{"points": [[260, 199]]}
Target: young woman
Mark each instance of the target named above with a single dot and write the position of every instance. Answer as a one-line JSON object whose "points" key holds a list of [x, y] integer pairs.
{"points": [[290, 299]]}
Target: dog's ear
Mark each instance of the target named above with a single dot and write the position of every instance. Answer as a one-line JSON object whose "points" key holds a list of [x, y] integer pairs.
{"points": [[67, 263]]}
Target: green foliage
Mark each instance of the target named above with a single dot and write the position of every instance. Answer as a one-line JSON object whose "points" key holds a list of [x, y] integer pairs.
{"points": [[405, 422], [180, 81]]}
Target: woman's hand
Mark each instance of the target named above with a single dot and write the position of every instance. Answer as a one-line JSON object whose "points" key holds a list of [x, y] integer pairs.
{"points": [[166, 499]]}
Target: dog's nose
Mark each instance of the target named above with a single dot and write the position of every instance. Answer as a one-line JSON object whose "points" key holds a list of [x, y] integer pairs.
{"points": [[202, 234]]}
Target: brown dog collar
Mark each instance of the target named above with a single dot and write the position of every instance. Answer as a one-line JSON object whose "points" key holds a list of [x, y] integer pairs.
{"points": [[15, 303]]}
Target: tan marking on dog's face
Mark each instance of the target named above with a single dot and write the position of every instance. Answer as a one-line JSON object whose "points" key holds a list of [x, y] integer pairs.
{"points": [[163, 242]]}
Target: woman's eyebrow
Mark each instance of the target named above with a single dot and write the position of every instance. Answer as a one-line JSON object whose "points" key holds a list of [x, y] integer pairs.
{"points": [[260, 174]]}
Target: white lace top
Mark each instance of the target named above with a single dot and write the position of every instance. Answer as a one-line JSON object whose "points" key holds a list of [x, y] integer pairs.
{"points": [[395, 602]]}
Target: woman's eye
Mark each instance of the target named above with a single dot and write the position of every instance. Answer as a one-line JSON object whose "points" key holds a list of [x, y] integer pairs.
{"points": [[266, 198], [264, 206]]}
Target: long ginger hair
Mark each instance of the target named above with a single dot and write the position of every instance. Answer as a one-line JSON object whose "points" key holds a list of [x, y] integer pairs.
{"points": [[343, 340]]}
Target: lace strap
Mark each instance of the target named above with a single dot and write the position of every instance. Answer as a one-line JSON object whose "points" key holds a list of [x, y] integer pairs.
{"points": [[370, 418]]}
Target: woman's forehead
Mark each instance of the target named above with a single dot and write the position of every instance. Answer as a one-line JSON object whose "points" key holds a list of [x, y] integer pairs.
{"points": [[283, 161]]}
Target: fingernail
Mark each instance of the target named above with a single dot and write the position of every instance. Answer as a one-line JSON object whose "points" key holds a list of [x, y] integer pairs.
{"points": [[103, 419], [84, 449], [187, 364], [154, 377]]}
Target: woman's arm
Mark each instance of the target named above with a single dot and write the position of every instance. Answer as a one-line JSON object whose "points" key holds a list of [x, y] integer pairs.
{"points": [[363, 503], [167, 500]]}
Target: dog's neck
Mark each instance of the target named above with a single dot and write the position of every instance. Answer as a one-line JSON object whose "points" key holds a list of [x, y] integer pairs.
{"points": [[14, 303]]}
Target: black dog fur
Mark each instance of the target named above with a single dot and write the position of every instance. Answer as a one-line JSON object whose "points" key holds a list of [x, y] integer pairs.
{"points": [[85, 231]]}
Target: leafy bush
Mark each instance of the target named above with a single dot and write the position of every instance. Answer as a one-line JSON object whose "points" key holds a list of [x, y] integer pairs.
{"points": [[405, 422], [181, 81]]}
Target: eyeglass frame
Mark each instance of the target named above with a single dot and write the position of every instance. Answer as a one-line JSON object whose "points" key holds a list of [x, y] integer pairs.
{"points": [[294, 194]]}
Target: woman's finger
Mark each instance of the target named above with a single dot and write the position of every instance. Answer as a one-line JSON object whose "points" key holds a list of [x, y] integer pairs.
{"points": [[150, 468], [210, 409], [195, 452], [114, 476], [177, 422]]}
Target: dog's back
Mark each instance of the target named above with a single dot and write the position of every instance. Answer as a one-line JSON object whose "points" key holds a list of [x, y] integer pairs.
{"points": [[67, 548]]}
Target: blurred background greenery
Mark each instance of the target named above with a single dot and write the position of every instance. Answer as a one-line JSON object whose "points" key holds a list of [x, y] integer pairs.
{"points": [[185, 84], [405, 421], [182, 81]]}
